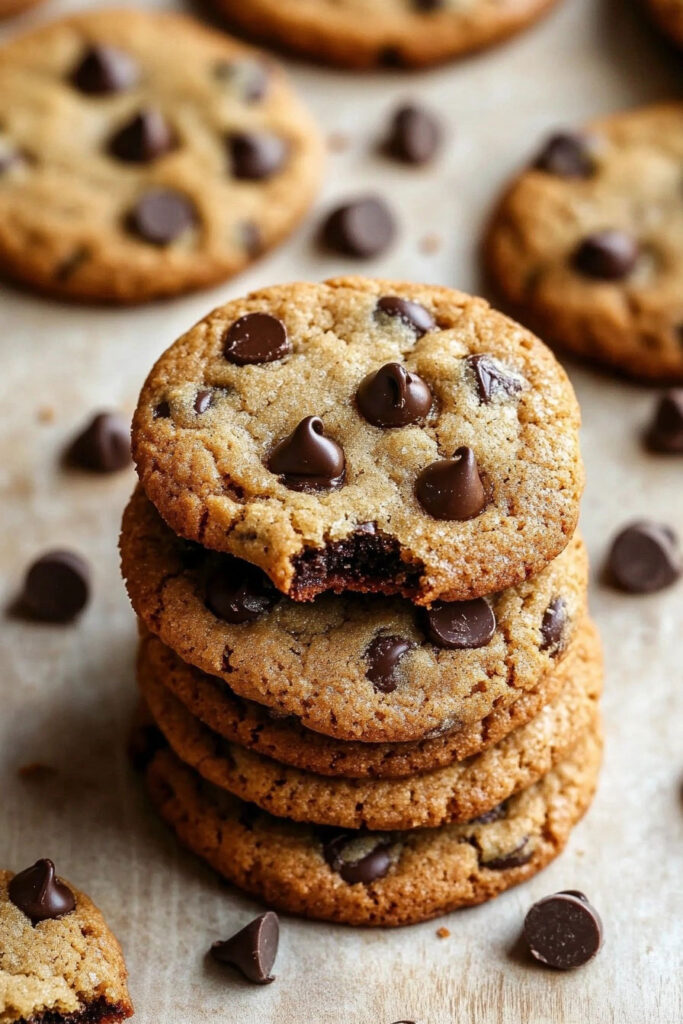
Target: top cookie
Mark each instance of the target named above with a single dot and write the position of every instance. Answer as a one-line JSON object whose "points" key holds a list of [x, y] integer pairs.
{"points": [[364, 435], [365, 33], [587, 244], [131, 169]]}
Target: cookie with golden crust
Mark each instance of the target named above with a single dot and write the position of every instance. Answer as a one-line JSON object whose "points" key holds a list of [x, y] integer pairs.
{"points": [[366, 878], [284, 739], [587, 244], [669, 16], [59, 962], [367, 33], [364, 435], [130, 170], [457, 793], [355, 667]]}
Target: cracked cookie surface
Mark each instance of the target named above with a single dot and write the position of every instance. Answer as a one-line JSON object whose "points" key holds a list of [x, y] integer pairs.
{"points": [[587, 244], [130, 170], [284, 464]]}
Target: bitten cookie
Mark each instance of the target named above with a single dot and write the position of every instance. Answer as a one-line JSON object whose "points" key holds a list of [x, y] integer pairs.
{"points": [[364, 435], [458, 793], [587, 244], [669, 16], [354, 667], [365, 878], [59, 963], [130, 169], [365, 33]]}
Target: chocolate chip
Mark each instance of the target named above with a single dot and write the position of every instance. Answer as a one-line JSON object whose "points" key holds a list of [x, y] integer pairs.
{"points": [[364, 228], [236, 591], [607, 255], [162, 411], [568, 155], [57, 587], [492, 379], [461, 625], [553, 626], [452, 488], [255, 156], [104, 445], [415, 316], [306, 460], [563, 931], [645, 557], [382, 656], [161, 215], [521, 855], [414, 135], [665, 433], [369, 867], [249, 77], [393, 397], [143, 139], [39, 894], [203, 400], [256, 338], [103, 70], [253, 949], [495, 814]]}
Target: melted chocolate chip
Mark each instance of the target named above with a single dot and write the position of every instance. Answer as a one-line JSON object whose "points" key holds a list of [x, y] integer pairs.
{"points": [[414, 135], [382, 656], [393, 397], [369, 868], [492, 379], [415, 316], [306, 460], [161, 215], [553, 626], [665, 433], [645, 557], [57, 587], [253, 949], [236, 591], [249, 77], [145, 138], [40, 894], [256, 338], [256, 156], [162, 411], [563, 931], [104, 445], [515, 859], [607, 255], [103, 70], [203, 400], [461, 625], [452, 488], [363, 228], [567, 155]]}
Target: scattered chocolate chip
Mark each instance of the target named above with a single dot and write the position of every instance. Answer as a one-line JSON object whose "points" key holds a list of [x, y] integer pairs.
{"points": [[415, 316], [104, 445], [382, 657], [665, 433], [254, 157], [452, 488], [253, 949], [521, 855], [607, 255], [39, 894], [492, 379], [203, 400], [145, 138], [161, 215], [645, 557], [393, 397], [103, 70], [57, 587], [553, 626], [256, 338], [568, 155], [249, 77], [414, 135], [368, 868], [236, 591], [563, 931], [461, 625], [162, 411], [306, 460], [364, 228]]}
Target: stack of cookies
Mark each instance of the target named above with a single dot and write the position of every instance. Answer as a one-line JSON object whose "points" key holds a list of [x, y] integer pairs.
{"points": [[365, 650]]}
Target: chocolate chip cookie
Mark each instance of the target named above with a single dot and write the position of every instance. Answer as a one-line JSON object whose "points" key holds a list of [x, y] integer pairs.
{"points": [[365, 435], [367, 878], [59, 962], [130, 169], [367, 33], [587, 244], [669, 16], [354, 667]]}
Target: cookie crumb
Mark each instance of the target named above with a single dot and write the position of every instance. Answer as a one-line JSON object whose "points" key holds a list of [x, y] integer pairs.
{"points": [[443, 933], [46, 414], [430, 243]]}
